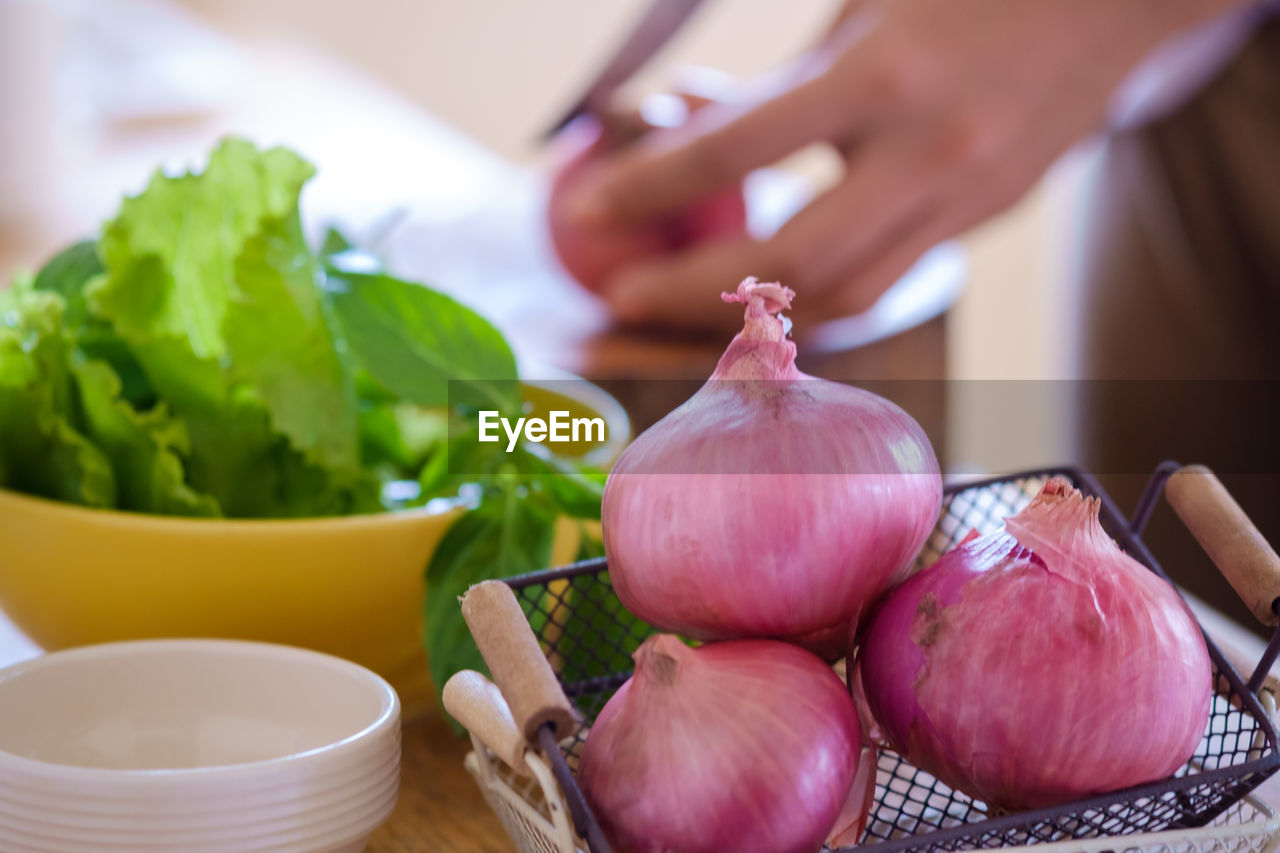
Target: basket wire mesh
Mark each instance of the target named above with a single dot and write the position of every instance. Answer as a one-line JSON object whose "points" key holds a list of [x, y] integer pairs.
{"points": [[589, 637]]}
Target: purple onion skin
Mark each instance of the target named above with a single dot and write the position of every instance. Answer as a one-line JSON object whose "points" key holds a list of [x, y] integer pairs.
{"points": [[1029, 668], [750, 746], [771, 503]]}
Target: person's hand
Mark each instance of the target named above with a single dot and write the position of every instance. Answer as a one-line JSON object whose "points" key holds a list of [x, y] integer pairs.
{"points": [[944, 111]]}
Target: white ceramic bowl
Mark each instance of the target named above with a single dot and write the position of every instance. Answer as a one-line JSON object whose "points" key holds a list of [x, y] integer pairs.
{"points": [[200, 746]]}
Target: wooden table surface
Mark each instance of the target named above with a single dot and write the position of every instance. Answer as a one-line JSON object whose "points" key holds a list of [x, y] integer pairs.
{"points": [[440, 807]]}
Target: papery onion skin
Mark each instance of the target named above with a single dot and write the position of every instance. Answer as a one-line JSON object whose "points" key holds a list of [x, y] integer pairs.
{"points": [[1039, 664], [771, 503], [749, 746]]}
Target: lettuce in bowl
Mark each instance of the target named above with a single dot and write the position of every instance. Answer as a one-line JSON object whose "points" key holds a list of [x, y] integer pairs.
{"points": [[198, 358]]}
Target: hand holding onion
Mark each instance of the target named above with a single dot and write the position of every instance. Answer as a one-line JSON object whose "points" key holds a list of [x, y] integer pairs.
{"points": [[1039, 664], [592, 252]]}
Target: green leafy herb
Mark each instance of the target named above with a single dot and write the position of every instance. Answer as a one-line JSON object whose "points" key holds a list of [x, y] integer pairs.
{"points": [[532, 489], [171, 252], [145, 448], [334, 243], [413, 341], [506, 535], [257, 473], [589, 547], [575, 489], [43, 453], [401, 434], [211, 284], [282, 347], [67, 273]]}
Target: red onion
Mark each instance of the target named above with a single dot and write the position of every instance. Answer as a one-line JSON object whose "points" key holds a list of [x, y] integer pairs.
{"points": [[745, 746], [771, 503], [1039, 664], [591, 253]]}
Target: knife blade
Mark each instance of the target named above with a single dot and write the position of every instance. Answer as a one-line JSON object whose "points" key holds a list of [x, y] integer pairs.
{"points": [[660, 22]]}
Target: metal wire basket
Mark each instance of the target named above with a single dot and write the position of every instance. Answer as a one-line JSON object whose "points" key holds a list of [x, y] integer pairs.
{"points": [[588, 638]]}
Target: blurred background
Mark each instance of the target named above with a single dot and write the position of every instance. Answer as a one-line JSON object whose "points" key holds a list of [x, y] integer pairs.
{"points": [[424, 120]]}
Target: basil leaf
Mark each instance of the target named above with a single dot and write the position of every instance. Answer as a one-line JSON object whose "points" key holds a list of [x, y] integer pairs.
{"points": [[569, 487], [334, 243], [414, 341], [589, 547], [506, 535]]}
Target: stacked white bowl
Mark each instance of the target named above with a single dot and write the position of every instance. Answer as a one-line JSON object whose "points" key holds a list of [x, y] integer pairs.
{"points": [[198, 746]]}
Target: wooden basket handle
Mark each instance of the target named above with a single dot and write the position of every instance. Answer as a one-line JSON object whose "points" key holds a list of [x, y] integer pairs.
{"points": [[1230, 539], [516, 661], [477, 703]]}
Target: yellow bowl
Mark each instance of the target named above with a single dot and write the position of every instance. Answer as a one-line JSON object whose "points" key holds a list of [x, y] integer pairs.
{"points": [[349, 586]]}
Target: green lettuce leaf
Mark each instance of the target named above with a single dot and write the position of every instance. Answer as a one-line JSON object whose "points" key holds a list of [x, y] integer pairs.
{"points": [[145, 448], [211, 284], [41, 451], [171, 251], [254, 472], [282, 346]]}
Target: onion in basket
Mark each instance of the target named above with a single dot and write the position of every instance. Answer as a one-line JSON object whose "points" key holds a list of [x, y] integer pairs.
{"points": [[1039, 664], [747, 745], [771, 503]]}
